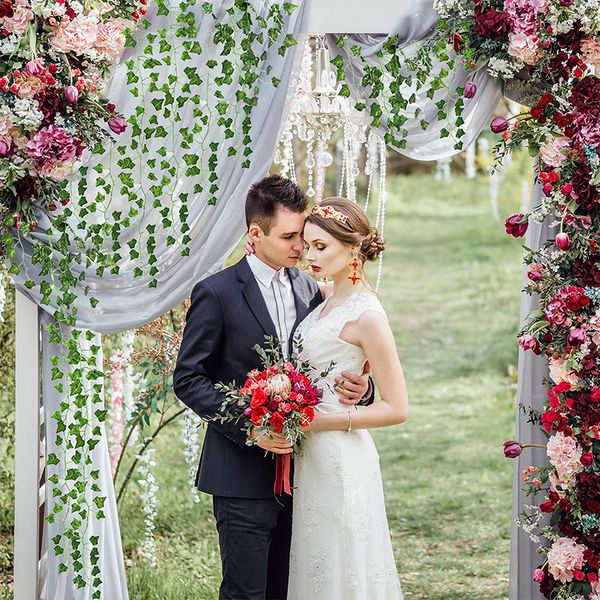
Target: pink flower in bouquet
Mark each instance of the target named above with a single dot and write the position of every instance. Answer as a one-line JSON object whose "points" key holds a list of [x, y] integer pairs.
{"points": [[512, 449], [499, 124], [4, 148], [562, 241], [17, 23], [558, 372], [528, 342], [564, 557], [551, 152], [110, 38], [75, 36], [594, 330], [71, 94], [576, 337], [51, 144], [524, 48], [538, 575], [58, 171], [586, 127], [470, 90], [35, 67], [565, 456], [29, 86], [590, 50], [117, 124], [516, 225]]}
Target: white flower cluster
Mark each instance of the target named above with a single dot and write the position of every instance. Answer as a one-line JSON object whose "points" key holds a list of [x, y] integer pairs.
{"points": [[585, 12], [504, 69], [191, 452], [26, 114], [148, 495], [446, 8]]}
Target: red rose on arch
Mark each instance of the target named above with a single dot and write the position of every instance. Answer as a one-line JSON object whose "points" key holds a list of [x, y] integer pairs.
{"points": [[491, 23], [588, 491], [585, 94]]}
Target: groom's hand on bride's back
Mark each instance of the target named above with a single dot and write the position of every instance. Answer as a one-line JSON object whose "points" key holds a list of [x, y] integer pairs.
{"points": [[273, 442], [352, 388]]}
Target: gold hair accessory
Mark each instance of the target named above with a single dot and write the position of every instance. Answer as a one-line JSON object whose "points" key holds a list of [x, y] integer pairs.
{"points": [[328, 212]]}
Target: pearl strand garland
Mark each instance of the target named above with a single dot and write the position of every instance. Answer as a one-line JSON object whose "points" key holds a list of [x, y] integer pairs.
{"points": [[380, 223]]}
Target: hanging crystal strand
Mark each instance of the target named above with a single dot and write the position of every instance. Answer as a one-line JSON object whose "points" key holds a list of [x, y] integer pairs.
{"points": [[191, 450], [324, 160], [343, 174], [348, 162], [370, 164], [380, 223], [310, 165], [149, 488], [470, 168]]}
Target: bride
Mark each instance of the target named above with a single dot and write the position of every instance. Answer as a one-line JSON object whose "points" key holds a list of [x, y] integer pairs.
{"points": [[341, 547]]}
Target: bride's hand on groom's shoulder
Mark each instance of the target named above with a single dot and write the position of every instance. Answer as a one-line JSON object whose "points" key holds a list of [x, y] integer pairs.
{"points": [[249, 245], [352, 388], [273, 442]]}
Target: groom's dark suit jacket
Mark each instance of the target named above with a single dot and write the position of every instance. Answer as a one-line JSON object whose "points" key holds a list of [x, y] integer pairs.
{"points": [[227, 317]]}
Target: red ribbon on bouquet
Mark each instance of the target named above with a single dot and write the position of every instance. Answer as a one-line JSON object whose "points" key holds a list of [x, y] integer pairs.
{"points": [[283, 464]]}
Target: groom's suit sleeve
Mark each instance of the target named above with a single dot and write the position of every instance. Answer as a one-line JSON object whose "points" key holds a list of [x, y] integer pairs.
{"points": [[201, 343]]}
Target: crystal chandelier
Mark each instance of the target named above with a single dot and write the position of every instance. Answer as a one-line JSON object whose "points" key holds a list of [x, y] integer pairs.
{"points": [[316, 113]]}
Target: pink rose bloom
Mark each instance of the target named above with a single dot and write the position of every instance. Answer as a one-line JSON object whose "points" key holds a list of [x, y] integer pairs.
{"points": [[590, 49], [587, 127], [523, 48], [20, 19], [57, 171], [551, 152], [76, 36], [558, 373], [564, 557], [564, 454], [110, 39], [51, 144], [29, 86]]}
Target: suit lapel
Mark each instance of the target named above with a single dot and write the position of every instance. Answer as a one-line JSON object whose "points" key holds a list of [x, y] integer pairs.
{"points": [[254, 298]]}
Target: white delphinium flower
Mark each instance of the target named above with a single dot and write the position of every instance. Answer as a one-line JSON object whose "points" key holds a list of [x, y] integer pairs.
{"points": [[191, 451], [9, 45], [148, 495], [27, 114], [447, 8], [499, 67], [76, 6]]}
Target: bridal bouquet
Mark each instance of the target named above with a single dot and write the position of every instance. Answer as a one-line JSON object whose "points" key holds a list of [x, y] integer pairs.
{"points": [[279, 398]]}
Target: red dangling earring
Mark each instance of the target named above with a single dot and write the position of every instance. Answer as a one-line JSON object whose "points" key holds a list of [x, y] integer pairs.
{"points": [[354, 264]]}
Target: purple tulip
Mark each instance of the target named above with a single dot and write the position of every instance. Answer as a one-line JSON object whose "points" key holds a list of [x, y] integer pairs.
{"points": [[470, 90], [539, 576], [117, 124], [499, 124], [516, 225], [562, 241], [4, 148], [71, 94], [34, 67], [576, 337], [512, 449]]}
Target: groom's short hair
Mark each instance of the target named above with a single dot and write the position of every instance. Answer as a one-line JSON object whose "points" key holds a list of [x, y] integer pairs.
{"points": [[270, 193]]}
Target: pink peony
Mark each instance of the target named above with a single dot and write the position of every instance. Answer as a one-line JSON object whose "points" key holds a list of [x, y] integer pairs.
{"points": [[51, 144], [586, 127], [552, 152], [76, 36], [523, 48], [110, 39], [564, 454], [590, 49], [559, 374], [564, 557], [21, 17], [57, 171]]}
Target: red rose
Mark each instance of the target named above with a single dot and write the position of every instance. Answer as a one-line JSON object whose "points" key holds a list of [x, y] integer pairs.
{"points": [[579, 575], [276, 422], [258, 414], [587, 458], [585, 94], [308, 414], [258, 398], [547, 507], [565, 505], [588, 491], [587, 195], [490, 23]]}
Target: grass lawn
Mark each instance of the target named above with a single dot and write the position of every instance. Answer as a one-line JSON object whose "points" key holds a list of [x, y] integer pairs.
{"points": [[450, 284], [451, 287]]}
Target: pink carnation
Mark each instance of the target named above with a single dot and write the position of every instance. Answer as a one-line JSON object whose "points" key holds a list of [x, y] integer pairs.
{"points": [[564, 557], [551, 152], [20, 19], [76, 36], [110, 39], [558, 373], [590, 49], [51, 144], [564, 454]]}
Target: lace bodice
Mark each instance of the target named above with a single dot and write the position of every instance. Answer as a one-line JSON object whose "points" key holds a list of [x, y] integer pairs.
{"points": [[321, 343]]}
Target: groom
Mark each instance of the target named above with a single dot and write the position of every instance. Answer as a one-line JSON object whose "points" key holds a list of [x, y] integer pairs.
{"points": [[231, 311]]}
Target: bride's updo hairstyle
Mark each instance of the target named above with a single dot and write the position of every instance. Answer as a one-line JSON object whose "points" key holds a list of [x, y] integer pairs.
{"points": [[353, 230]]}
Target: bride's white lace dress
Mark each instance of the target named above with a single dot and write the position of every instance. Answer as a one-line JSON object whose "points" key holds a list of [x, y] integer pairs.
{"points": [[341, 547]]}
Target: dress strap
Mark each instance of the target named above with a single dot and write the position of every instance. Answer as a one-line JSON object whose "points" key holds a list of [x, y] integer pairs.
{"points": [[354, 308]]}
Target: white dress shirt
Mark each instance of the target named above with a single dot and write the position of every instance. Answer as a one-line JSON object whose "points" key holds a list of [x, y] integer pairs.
{"points": [[276, 289]]}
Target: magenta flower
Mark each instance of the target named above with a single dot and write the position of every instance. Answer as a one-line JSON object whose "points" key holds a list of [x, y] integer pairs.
{"points": [[71, 94], [51, 144], [117, 124], [470, 90], [512, 449], [4, 148], [499, 124], [576, 337], [562, 241], [539, 575], [516, 225]]}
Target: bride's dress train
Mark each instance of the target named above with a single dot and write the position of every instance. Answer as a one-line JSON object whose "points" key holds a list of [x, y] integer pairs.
{"points": [[341, 547]]}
